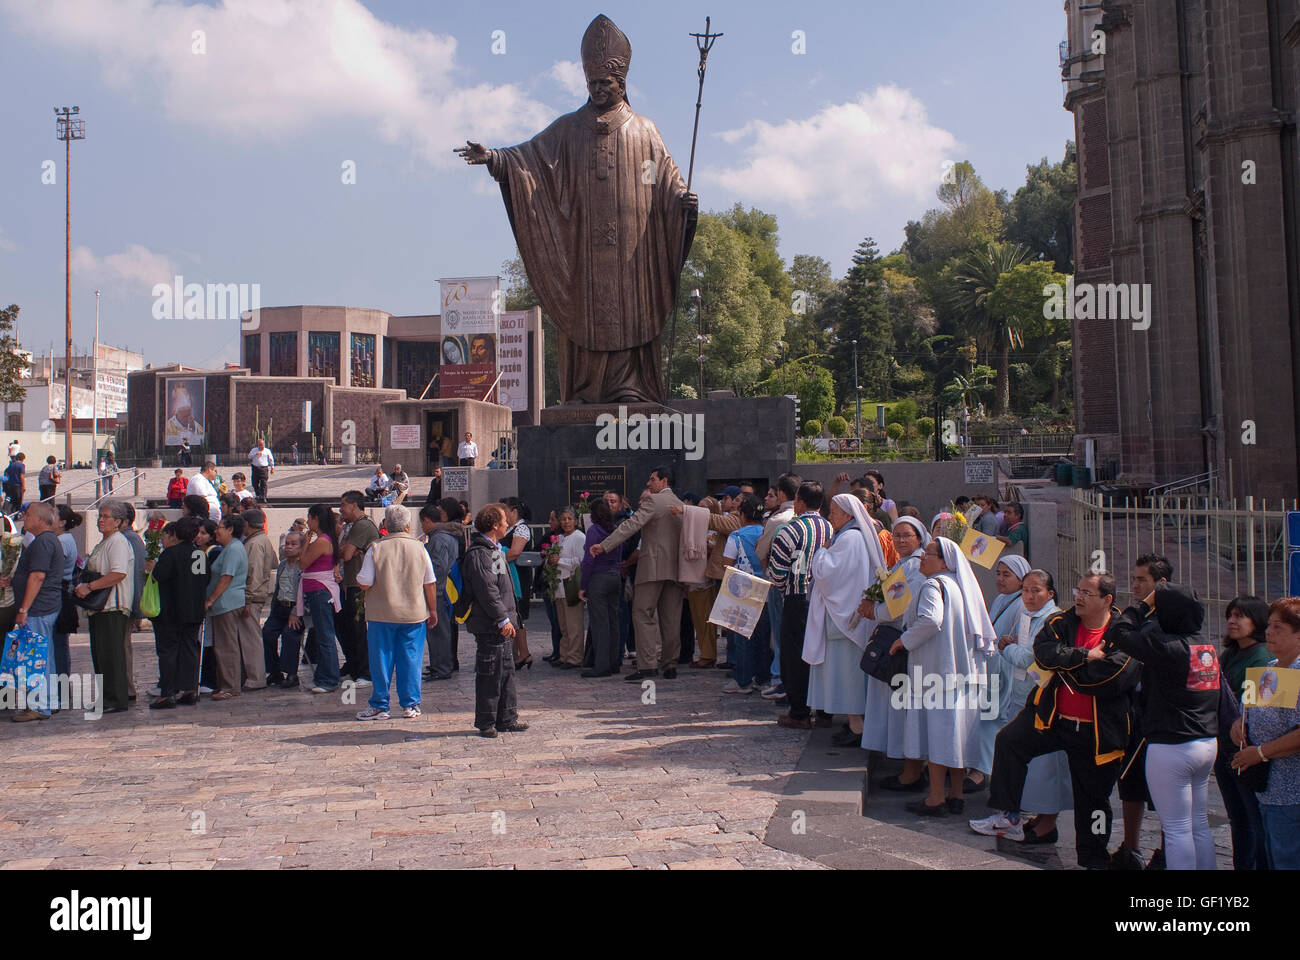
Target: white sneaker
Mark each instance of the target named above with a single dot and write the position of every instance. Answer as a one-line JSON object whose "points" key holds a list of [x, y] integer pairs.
{"points": [[362, 682], [410, 713], [318, 690], [203, 689], [154, 691], [999, 825], [373, 713], [731, 686]]}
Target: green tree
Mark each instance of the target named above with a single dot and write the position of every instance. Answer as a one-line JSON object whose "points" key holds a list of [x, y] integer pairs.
{"points": [[837, 426], [1040, 216], [974, 278], [861, 313], [812, 428], [813, 286], [811, 383], [12, 363], [1016, 305], [895, 431]]}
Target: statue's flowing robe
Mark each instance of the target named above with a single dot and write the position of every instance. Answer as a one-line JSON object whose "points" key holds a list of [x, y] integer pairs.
{"points": [[595, 202]]}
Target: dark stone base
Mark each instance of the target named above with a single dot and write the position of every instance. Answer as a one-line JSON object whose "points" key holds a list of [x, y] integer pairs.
{"points": [[742, 440]]}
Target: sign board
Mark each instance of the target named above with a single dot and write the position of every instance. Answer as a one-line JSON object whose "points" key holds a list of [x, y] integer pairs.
{"points": [[595, 481], [471, 313], [512, 361], [740, 601], [983, 472], [306, 416], [455, 481], [405, 436]]}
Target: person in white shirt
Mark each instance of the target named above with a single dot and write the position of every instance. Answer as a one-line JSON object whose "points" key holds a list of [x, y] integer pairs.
{"points": [[240, 483], [204, 484], [14, 448], [378, 485], [262, 461], [467, 451]]}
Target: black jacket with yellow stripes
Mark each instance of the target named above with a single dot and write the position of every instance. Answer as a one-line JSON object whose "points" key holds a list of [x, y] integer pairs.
{"points": [[1108, 680]]}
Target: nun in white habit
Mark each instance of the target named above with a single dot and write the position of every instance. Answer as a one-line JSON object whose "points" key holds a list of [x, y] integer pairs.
{"points": [[949, 644], [836, 633], [1004, 611], [882, 727]]}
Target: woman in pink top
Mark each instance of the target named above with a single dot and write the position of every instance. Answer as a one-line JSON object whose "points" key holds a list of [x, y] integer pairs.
{"points": [[319, 593]]}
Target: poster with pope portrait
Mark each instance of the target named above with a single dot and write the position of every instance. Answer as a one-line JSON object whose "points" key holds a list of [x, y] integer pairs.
{"points": [[184, 397]]}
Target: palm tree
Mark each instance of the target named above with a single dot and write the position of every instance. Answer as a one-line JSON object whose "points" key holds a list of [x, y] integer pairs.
{"points": [[974, 277]]}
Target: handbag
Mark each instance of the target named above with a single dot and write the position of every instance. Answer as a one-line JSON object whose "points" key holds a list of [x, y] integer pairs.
{"points": [[571, 588], [877, 661], [96, 600], [67, 620]]}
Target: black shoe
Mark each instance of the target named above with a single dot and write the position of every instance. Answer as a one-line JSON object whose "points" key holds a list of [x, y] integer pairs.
{"points": [[956, 805], [275, 679], [1157, 861], [925, 810], [115, 709], [1032, 838], [561, 665], [434, 677], [163, 703], [847, 739], [898, 786], [637, 676], [970, 786], [595, 673], [489, 732], [670, 673], [1125, 859], [188, 699], [724, 665], [516, 727], [290, 683]]}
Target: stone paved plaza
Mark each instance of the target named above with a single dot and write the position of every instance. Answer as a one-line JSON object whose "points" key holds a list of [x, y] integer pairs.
{"points": [[283, 779]]}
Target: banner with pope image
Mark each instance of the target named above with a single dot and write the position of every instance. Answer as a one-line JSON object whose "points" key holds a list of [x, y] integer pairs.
{"points": [[184, 409], [740, 602], [980, 548]]}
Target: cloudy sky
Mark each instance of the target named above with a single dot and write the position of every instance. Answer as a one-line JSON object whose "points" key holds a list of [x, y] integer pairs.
{"points": [[219, 134]]}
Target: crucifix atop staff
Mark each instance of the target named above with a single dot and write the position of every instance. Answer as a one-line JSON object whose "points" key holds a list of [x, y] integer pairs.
{"points": [[603, 221]]}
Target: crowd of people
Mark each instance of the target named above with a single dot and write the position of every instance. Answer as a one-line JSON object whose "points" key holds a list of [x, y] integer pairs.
{"points": [[1046, 704]]}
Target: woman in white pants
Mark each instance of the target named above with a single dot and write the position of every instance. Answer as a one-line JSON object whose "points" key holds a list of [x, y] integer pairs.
{"points": [[1180, 715]]}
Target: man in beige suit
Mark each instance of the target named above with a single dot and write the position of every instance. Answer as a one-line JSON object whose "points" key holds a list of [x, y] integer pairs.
{"points": [[657, 596]]}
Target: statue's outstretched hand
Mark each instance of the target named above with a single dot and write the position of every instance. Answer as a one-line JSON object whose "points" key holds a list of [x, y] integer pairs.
{"points": [[473, 152], [690, 202]]}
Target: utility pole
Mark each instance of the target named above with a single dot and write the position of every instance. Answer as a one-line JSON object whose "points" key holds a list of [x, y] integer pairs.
{"points": [[68, 130], [94, 394], [857, 390], [701, 338]]}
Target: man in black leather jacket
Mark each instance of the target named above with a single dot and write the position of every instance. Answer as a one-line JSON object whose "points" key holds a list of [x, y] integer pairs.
{"points": [[493, 621]]}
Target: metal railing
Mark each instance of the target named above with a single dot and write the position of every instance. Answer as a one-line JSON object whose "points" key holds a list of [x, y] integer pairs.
{"points": [[101, 495], [1222, 550], [505, 449]]}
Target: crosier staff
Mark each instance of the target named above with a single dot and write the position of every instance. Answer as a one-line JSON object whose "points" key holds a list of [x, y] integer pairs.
{"points": [[704, 43]]}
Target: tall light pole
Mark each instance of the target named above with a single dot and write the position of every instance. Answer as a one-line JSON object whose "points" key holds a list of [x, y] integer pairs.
{"points": [[857, 391], [701, 338], [94, 391], [68, 130]]}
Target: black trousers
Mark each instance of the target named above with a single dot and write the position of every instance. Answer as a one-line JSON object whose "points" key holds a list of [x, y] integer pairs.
{"points": [[495, 703], [260, 475], [1018, 743], [178, 656], [687, 633], [108, 655], [602, 610], [350, 625], [794, 672]]}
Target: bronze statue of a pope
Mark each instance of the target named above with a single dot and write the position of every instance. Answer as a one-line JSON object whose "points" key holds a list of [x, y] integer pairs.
{"points": [[604, 222]]}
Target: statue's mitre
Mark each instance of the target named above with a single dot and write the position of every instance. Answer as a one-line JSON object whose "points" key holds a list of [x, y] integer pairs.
{"points": [[606, 50]]}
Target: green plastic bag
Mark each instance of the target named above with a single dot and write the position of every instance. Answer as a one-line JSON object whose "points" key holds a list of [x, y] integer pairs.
{"points": [[150, 601]]}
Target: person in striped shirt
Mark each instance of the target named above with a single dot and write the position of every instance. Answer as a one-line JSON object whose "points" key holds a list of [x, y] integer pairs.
{"points": [[790, 568]]}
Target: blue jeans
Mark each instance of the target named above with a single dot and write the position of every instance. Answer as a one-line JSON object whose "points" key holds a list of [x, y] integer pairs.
{"points": [[775, 608], [43, 693], [549, 605], [1249, 847], [748, 655], [318, 604], [1282, 830], [400, 646]]}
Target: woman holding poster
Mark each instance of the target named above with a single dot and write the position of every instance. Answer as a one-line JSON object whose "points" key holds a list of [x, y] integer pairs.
{"points": [[1004, 611], [882, 727]]}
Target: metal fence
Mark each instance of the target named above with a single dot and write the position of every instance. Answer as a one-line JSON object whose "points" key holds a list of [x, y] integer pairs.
{"points": [[1222, 550]]}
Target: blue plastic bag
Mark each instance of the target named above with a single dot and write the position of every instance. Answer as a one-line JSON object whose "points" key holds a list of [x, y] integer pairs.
{"points": [[25, 662]]}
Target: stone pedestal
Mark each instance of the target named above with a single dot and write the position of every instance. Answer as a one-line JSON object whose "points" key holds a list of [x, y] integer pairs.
{"points": [[707, 443]]}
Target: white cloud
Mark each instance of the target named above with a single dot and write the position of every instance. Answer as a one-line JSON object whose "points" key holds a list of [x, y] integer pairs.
{"points": [[853, 155], [136, 269], [274, 68], [569, 76]]}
